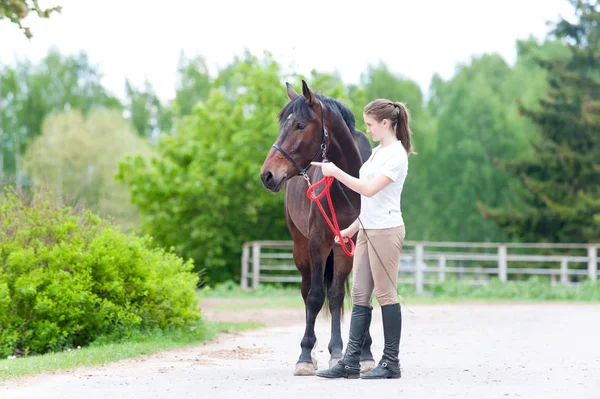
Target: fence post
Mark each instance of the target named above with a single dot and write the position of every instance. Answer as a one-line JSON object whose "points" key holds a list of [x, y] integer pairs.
{"points": [[442, 269], [502, 263], [564, 271], [245, 254], [419, 269], [593, 263], [255, 264]]}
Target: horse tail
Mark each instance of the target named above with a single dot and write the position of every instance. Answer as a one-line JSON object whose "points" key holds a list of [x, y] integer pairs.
{"points": [[328, 280], [346, 290]]}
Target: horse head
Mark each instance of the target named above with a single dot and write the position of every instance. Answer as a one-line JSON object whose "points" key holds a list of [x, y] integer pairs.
{"points": [[301, 139]]}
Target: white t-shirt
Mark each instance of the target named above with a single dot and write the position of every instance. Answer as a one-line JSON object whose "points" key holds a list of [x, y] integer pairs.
{"points": [[383, 210]]}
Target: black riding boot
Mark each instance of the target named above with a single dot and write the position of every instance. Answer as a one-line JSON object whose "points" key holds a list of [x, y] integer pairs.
{"points": [[389, 365], [349, 365]]}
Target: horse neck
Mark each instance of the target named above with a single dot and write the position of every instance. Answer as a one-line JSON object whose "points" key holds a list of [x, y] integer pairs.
{"points": [[342, 149]]}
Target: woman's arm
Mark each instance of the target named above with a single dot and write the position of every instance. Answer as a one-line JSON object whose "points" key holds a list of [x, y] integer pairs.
{"points": [[352, 229], [363, 187]]}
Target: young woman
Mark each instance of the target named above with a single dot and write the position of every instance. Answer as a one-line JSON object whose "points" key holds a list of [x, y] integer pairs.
{"points": [[380, 238]]}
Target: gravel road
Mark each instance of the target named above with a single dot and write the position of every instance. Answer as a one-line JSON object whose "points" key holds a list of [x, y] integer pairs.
{"points": [[447, 351]]}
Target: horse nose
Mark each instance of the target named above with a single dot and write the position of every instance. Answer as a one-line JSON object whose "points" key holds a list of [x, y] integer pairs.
{"points": [[267, 178]]}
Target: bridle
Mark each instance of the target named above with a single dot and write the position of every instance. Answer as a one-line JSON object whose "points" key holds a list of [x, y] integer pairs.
{"points": [[322, 151]]}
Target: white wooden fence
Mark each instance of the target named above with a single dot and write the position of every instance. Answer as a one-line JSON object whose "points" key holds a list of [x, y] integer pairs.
{"points": [[423, 263]]}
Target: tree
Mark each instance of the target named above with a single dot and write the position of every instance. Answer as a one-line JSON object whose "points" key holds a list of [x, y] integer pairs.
{"points": [[560, 181], [201, 193], [193, 84], [30, 92], [77, 157], [147, 113], [474, 128], [17, 10], [379, 82], [477, 121]]}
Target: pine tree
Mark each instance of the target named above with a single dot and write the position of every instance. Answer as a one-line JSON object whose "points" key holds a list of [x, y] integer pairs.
{"points": [[559, 200]]}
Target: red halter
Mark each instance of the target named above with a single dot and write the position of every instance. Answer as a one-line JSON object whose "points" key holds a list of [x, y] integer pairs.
{"points": [[328, 180]]}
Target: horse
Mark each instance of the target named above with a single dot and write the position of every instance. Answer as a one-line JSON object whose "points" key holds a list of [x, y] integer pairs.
{"points": [[314, 127]]}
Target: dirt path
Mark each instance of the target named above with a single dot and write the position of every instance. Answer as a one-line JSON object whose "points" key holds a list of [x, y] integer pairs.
{"points": [[448, 351]]}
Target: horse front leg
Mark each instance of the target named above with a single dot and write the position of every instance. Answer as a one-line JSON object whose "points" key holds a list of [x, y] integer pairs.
{"points": [[303, 367], [338, 267], [313, 304]]}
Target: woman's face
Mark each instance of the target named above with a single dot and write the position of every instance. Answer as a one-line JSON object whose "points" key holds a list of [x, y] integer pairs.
{"points": [[377, 130]]}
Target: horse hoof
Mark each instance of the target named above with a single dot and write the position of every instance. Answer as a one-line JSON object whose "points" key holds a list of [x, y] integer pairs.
{"points": [[305, 369], [367, 365], [333, 362]]}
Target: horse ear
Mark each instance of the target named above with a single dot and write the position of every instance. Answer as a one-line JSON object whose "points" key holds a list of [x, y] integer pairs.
{"points": [[308, 95], [291, 93]]}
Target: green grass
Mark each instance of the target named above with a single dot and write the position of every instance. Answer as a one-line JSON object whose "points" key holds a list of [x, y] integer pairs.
{"points": [[103, 352], [266, 296], [268, 292], [249, 303], [535, 289]]}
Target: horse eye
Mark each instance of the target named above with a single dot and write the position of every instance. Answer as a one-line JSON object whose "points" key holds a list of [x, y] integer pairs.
{"points": [[299, 126]]}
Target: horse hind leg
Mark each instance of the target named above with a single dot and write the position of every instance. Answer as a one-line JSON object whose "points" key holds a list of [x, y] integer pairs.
{"points": [[342, 269], [367, 362], [337, 268]]}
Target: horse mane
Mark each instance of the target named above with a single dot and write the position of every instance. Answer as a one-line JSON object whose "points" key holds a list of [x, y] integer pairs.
{"points": [[298, 106]]}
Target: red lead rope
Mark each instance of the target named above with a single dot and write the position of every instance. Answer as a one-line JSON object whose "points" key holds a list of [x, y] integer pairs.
{"points": [[328, 180]]}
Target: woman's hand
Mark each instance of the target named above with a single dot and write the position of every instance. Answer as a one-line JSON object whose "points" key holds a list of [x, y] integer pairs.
{"points": [[345, 236], [328, 168]]}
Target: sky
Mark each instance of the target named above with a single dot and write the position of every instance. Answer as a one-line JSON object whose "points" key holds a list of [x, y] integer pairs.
{"points": [[142, 39]]}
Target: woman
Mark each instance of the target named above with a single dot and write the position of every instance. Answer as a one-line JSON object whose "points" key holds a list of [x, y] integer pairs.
{"points": [[380, 238]]}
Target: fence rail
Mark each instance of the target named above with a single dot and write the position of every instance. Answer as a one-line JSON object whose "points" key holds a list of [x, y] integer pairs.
{"points": [[424, 263]]}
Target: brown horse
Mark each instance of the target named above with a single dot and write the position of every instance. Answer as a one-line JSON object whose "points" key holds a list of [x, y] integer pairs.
{"points": [[314, 127]]}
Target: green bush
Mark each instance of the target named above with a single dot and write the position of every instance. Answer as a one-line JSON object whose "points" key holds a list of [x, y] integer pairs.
{"points": [[68, 277]]}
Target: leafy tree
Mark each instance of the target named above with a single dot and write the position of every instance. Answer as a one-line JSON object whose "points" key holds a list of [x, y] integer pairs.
{"points": [[477, 122], [379, 82], [151, 116], [560, 189], [528, 82], [147, 113], [77, 157], [201, 194], [17, 10], [30, 92], [193, 84], [473, 128]]}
